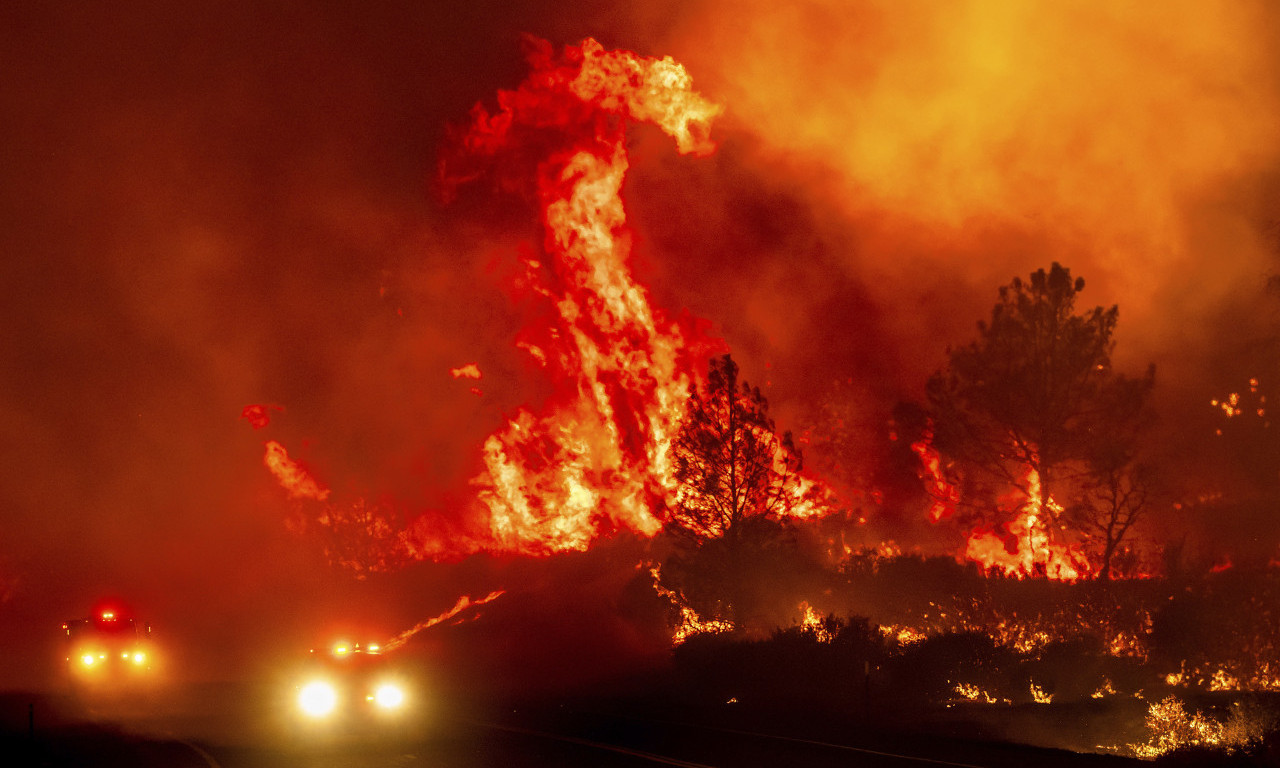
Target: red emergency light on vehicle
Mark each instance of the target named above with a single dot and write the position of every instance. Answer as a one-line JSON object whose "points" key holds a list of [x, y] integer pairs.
{"points": [[107, 648]]}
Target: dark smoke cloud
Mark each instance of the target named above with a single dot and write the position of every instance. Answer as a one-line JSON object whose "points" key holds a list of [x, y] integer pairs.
{"points": [[211, 205]]}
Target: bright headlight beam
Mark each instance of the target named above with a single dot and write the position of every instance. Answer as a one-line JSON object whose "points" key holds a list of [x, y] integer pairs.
{"points": [[388, 696], [317, 699]]}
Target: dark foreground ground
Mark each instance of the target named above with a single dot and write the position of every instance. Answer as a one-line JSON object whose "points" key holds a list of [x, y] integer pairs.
{"points": [[238, 725]]}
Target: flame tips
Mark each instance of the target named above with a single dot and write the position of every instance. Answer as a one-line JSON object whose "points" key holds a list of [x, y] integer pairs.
{"points": [[259, 414], [468, 371], [292, 475]]}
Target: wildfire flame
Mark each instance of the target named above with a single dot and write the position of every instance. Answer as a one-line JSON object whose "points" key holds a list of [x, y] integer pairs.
{"points": [[811, 623], [258, 415], [1171, 726], [292, 475], [690, 622], [971, 692], [464, 602], [468, 371], [596, 460], [945, 496], [1039, 696], [1036, 552]]}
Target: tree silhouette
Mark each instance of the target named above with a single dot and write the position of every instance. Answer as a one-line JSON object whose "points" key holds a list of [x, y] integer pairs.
{"points": [[738, 480], [730, 462], [1032, 397], [1115, 492]]}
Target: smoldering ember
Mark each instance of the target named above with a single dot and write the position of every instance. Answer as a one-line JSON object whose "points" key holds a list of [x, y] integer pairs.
{"points": [[902, 392]]}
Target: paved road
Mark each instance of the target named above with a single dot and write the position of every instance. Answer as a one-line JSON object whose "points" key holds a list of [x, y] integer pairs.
{"points": [[235, 726]]}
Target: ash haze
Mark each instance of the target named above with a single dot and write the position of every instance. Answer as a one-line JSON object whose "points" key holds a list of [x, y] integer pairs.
{"points": [[212, 205]]}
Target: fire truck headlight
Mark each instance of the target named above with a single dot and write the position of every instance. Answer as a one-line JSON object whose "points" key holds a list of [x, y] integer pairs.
{"points": [[317, 699], [389, 696], [88, 659], [139, 658]]}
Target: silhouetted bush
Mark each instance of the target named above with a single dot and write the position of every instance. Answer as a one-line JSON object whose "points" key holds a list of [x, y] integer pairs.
{"points": [[796, 667], [929, 671]]}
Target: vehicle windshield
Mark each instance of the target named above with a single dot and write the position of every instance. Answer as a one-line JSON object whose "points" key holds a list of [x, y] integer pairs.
{"points": [[99, 627]]}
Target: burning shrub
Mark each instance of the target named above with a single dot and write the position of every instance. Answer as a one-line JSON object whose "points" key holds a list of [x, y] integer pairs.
{"points": [[937, 595], [1197, 735], [1222, 633]]}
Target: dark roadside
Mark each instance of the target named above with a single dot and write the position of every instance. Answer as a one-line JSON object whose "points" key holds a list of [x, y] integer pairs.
{"points": [[733, 735], [596, 731], [56, 731]]}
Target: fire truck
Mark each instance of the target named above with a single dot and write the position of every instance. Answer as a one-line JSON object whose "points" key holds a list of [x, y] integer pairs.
{"points": [[107, 650], [352, 691]]}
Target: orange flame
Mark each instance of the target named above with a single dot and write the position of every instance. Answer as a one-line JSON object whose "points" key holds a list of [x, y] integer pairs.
{"points": [[945, 495], [596, 460], [811, 623], [464, 602], [292, 475], [1035, 552], [468, 371], [690, 622]]}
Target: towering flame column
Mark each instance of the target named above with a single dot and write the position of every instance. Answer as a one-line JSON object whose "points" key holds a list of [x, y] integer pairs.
{"points": [[596, 459]]}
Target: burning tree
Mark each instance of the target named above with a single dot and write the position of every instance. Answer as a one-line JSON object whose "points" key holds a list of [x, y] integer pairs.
{"points": [[738, 479], [1026, 405], [729, 460]]}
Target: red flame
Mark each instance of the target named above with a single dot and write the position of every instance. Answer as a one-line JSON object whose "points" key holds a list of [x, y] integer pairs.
{"points": [[1034, 551], [292, 475], [464, 602], [258, 415], [595, 460], [945, 495], [1029, 549]]}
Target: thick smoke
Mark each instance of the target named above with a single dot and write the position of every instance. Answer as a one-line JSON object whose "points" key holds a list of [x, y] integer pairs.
{"points": [[894, 163], [925, 152]]}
